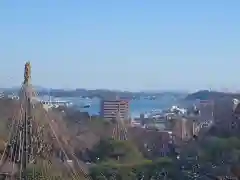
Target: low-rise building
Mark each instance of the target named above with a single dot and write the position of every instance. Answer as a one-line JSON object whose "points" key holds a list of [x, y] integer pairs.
{"points": [[206, 110], [183, 128]]}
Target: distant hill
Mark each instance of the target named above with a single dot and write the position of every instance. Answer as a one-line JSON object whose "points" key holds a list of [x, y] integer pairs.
{"points": [[101, 93], [211, 95]]}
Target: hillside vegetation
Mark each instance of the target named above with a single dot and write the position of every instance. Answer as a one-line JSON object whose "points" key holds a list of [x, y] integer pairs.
{"points": [[211, 95], [217, 154]]}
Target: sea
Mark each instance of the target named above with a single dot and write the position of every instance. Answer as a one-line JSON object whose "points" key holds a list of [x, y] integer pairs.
{"points": [[136, 106]]}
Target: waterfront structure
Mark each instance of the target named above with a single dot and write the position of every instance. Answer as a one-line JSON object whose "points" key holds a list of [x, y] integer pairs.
{"points": [[135, 123], [110, 109]]}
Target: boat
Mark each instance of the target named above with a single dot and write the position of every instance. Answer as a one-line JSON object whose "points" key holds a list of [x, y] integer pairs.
{"points": [[87, 106]]}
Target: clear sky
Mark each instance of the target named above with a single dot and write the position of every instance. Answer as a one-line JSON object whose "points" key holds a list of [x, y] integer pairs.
{"points": [[121, 44]]}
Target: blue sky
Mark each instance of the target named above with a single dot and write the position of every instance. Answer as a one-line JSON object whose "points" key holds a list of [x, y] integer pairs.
{"points": [[127, 44]]}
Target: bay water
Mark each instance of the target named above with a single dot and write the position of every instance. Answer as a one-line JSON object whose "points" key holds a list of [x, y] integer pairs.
{"points": [[136, 106]]}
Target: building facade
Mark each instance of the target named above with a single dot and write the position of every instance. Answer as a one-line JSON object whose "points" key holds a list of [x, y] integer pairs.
{"points": [[206, 110], [182, 129], [110, 108]]}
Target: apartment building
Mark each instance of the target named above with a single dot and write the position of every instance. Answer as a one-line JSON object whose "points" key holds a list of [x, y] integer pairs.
{"points": [[111, 108]]}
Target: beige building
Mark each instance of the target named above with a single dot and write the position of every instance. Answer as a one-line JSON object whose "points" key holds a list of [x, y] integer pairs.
{"points": [[110, 109]]}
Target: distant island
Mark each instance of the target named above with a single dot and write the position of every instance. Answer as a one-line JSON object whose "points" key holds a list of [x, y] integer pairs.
{"points": [[101, 93], [211, 95]]}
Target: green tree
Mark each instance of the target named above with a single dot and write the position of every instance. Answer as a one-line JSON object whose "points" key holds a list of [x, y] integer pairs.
{"points": [[112, 150]]}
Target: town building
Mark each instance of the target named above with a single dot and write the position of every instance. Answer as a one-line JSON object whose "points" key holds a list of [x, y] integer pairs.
{"points": [[110, 109], [206, 110], [183, 128]]}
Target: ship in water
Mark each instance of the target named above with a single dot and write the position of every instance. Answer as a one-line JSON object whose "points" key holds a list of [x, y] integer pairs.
{"points": [[87, 106]]}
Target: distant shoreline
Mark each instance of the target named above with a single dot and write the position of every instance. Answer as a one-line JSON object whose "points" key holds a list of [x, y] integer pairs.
{"points": [[100, 93]]}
